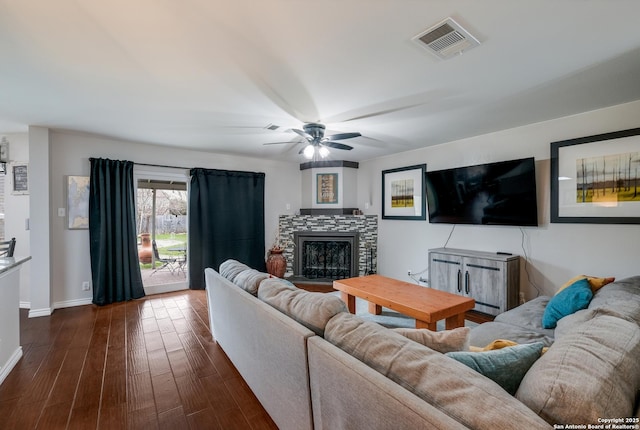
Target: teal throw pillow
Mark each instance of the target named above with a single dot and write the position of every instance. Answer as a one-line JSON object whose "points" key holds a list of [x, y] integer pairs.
{"points": [[506, 366], [573, 298]]}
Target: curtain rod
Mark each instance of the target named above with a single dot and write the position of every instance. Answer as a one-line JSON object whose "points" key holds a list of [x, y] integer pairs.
{"points": [[162, 165], [155, 165]]}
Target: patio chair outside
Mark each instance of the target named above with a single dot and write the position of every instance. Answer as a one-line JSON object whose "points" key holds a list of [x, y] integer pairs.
{"points": [[167, 263]]}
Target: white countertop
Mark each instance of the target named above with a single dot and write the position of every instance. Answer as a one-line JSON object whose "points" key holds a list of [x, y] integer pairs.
{"points": [[7, 263]]}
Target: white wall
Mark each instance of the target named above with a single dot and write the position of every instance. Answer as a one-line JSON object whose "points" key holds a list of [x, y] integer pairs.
{"points": [[17, 211], [40, 222], [556, 252], [70, 153]]}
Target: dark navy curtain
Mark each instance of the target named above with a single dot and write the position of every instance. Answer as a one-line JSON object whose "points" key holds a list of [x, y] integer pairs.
{"points": [[226, 220], [115, 268]]}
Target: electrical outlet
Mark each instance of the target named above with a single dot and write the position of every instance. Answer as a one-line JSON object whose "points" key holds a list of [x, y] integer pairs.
{"points": [[522, 299], [409, 272], [85, 286]]}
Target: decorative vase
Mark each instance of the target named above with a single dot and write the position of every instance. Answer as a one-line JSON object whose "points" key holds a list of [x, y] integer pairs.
{"points": [[144, 254], [276, 263]]}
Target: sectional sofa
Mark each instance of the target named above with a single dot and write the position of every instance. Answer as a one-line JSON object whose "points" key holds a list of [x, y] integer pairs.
{"points": [[313, 365]]}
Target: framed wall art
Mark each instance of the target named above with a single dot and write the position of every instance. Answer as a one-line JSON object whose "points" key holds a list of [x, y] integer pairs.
{"points": [[404, 192], [595, 179], [78, 202], [327, 188], [19, 178]]}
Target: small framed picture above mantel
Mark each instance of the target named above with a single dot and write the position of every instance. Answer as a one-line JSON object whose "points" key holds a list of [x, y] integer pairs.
{"points": [[404, 193], [596, 179], [327, 188]]}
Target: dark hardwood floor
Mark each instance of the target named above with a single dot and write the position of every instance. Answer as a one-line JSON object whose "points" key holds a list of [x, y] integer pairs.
{"points": [[143, 364]]}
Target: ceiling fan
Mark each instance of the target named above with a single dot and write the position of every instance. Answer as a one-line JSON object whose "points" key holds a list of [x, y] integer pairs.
{"points": [[317, 143]]}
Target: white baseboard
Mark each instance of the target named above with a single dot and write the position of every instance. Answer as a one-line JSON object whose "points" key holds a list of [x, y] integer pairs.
{"points": [[10, 364], [57, 305], [155, 289], [72, 303], [44, 312]]}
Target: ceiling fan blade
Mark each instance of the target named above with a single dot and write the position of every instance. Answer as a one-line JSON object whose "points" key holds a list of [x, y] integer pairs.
{"points": [[281, 143], [303, 134], [341, 136], [337, 145], [383, 112], [431, 97]]}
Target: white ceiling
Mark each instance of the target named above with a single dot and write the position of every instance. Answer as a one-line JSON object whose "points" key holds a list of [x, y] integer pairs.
{"points": [[211, 75]]}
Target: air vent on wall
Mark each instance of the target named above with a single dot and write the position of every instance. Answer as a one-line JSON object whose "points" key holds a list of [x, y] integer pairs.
{"points": [[446, 39]]}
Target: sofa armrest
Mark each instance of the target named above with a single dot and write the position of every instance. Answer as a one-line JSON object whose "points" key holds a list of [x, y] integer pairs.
{"points": [[268, 348]]}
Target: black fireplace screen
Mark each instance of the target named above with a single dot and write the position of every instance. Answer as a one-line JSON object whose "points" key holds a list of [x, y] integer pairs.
{"points": [[326, 259]]}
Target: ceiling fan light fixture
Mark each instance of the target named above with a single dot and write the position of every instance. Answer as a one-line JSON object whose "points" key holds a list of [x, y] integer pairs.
{"points": [[309, 150], [323, 151]]}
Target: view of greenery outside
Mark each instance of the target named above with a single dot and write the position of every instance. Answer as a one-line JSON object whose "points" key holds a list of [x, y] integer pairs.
{"points": [[170, 221], [171, 206], [176, 241]]}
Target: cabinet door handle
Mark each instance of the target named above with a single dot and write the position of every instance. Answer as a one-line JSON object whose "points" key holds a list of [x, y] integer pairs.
{"points": [[466, 282], [459, 280]]}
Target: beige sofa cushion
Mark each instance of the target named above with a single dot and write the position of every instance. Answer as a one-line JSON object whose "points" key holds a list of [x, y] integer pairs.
{"points": [[450, 386], [622, 297], [249, 280], [590, 372], [229, 269], [571, 322], [312, 310], [276, 284], [441, 341]]}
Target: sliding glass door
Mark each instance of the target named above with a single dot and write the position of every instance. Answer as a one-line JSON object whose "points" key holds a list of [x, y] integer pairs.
{"points": [[161, 218]]}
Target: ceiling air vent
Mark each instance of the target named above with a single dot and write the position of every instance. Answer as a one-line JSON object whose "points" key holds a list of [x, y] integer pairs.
{"points": [[446, 39]]}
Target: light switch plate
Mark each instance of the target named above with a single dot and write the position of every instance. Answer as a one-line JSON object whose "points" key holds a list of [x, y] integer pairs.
{"points": [[61, 212]]}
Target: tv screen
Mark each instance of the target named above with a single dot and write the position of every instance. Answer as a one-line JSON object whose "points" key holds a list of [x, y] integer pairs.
{"points": [[501, 193]]}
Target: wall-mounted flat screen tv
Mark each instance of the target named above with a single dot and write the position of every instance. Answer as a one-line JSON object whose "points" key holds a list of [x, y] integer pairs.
{"points": [[501, 193]]}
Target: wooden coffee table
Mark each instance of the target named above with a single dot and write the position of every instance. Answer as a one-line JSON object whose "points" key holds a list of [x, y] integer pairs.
{"points": [[426, 305]]}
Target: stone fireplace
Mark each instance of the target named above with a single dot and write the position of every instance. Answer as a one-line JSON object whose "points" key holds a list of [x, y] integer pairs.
{"points": [[325, 255], [329, 239], [335, 244]]}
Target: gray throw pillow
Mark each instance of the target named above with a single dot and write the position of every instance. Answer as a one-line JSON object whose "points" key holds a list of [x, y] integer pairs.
{"points": [[506, 366]]}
